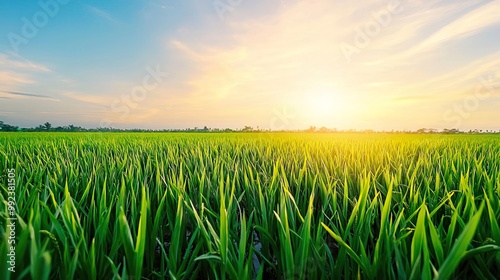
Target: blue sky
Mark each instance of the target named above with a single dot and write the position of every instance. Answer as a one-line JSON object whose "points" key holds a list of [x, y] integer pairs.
{"points": [[280, 64]]}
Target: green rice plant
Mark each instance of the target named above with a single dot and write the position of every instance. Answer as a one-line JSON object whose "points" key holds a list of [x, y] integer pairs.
{"points": [[252, 206]]}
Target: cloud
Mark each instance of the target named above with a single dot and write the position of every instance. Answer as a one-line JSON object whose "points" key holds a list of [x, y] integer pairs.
{"points": [[20, 63], [260, 51], [412, 98], [66, 113], [473, 22], [288, 57], [30, 95], [96, 100], [18, 71], [12, 79], [102, 14], [264, 56], [414, 23], [160, 4], [424, 27]]}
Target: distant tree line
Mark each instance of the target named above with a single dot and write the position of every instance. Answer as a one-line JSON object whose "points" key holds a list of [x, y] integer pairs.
{"points": [[48, 127], [43, 127], [8, 127]]}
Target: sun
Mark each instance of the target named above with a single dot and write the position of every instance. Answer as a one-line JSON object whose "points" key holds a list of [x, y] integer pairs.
{"points": [[322, 104], [322, 107]]}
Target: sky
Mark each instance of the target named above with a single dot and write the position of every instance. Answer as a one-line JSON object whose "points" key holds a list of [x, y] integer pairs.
{"points": [[272, 64]]}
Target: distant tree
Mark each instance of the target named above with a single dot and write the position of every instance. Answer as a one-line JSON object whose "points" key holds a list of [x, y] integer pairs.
{"points": [[311, 129], [247, 129], [323, 129], [47, 126], [7, 127], [451, 131]]}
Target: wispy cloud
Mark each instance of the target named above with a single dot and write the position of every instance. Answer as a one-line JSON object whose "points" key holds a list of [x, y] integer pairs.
{"points": [[18, 71], [96, 100], [265, 56], [164, 4], [427, 26], [102, 14], [30, 95], [17, 62], [12, 78], [467, 25], [412, 98], [66, 113], [292, 55]]}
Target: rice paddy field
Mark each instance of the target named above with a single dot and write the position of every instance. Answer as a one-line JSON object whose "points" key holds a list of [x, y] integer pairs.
{"points": [[251, 206]]}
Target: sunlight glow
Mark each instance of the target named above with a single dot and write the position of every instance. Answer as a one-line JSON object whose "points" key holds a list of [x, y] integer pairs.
{"points": [[323, 107], [323, 104]]}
